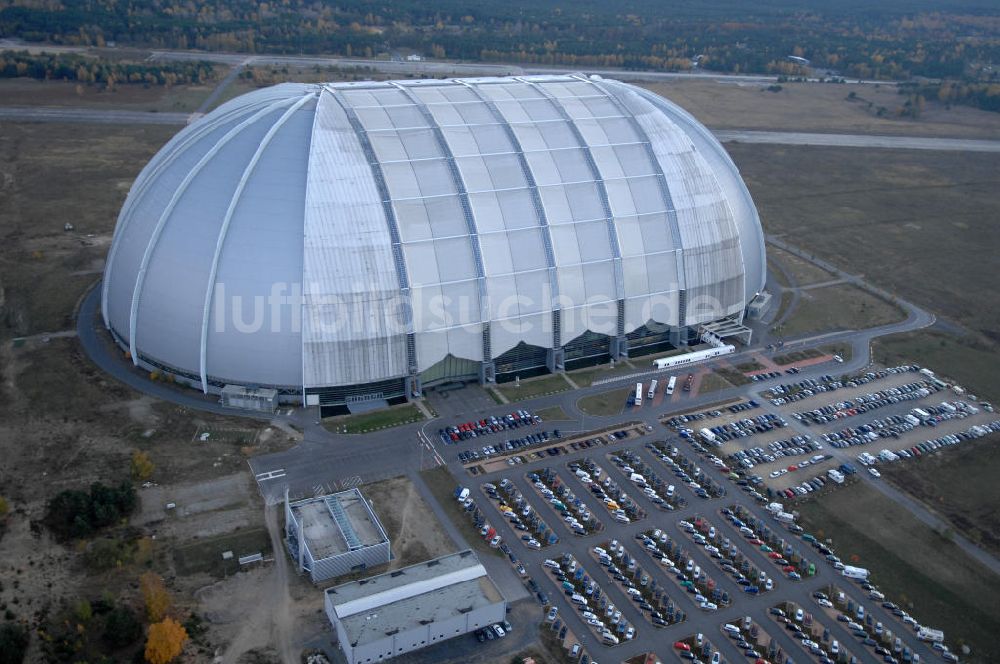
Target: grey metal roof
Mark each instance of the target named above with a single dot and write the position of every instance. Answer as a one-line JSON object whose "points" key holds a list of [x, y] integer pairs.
{"points": [[398, 601], [314, 228]]}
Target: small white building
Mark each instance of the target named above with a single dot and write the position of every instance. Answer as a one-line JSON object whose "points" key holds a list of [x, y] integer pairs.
{"points": [[408, 609], [414, 57]]}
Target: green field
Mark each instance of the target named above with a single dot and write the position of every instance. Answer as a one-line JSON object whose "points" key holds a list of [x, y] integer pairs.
{"points": [[534, 387], [961, 485], [393, 416], [840, 307], [918, 223], [918, 568], [611, 402], [205, 555], [713, 382], [975, 364], [552, 414]]}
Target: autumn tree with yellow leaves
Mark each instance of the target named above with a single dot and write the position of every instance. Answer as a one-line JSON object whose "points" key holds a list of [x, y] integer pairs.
{"points": [[165, 642]]}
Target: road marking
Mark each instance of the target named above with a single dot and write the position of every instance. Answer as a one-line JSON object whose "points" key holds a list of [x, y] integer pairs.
{"points": [[351, 482], [270, 475]]}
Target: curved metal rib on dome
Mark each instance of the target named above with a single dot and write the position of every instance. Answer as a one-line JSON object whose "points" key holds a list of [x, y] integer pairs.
{"points": [[224, 230], [536, 200], [602, 190], [470, 219], [661, 178], [178, 193], [147, 176]]}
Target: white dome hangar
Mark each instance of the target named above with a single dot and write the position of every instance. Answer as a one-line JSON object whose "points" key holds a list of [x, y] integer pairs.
{"points": [[359, 240]]}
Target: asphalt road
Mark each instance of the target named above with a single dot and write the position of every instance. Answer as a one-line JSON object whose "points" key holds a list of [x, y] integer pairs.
{"points": [[89, 115], [857, 141], [119, 117]]}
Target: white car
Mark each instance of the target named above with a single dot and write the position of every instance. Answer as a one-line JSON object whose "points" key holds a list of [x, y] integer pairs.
{"points": [[825, 603], [630, 633], [874, 472], [708, 606]]}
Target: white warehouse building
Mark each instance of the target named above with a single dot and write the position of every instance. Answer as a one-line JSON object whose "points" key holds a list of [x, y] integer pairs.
{"points": [[347, 241], [411, 608]]}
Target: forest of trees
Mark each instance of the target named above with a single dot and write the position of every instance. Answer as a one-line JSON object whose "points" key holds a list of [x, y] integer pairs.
{"points": [[108, 73], [891, 39]]}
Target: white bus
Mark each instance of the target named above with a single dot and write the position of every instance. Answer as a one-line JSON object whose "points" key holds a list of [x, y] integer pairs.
{"points": [[670, 385], [638, 394], [652, 389]]}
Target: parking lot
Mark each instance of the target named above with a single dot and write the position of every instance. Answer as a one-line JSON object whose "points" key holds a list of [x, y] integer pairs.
{"points": [[666, 551]]}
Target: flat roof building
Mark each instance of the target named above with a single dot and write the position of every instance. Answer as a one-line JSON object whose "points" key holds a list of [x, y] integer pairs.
{"points": [[413, 607], [329, 536]]}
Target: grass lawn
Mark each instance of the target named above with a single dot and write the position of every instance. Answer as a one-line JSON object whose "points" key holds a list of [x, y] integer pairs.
{"points": [[534, 387], [804, 272], [961, 485], [975, 365], [920, 223], [392, 416], [611, 402], [205, 555], [752, 365], [587, 377], [916, 567], [797, 356], [840, 307], [552, 414], [442, 484], [713, 382], [731, 376]]}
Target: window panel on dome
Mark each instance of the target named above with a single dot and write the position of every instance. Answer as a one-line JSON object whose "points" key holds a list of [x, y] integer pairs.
{"points": [[647, 194], [475, 173], [572, 288], [388, 146], [446, 115], [455, 258], [532, 288], [513, 111], [655, 229], [457, 93], [404, 117], [601, 107], [585, 201], [527, 248], [634, 159], [496, 251], [608, 163], [492, 138], [521, 90], [477, 113], [565, 245], [592, 132], [486, 208], [600, 281], [572, 165], [462, 140], [594, 240], [620, 198], [421, 263], [556, 204], [434, 177], [505, 171], [558, 135], [619, 130], [636, 278], [543, 167], [531, 137], [420, 143], [401, 180], [518, 208], [374, 118]]}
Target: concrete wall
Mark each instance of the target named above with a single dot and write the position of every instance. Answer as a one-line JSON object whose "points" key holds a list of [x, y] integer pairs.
{"points": [[328, 568]]}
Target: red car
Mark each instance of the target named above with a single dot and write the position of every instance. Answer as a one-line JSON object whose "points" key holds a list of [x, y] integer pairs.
{"points": [[756, 541], [792, 469], [774, 555], [788, 568], [680, 645]]}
